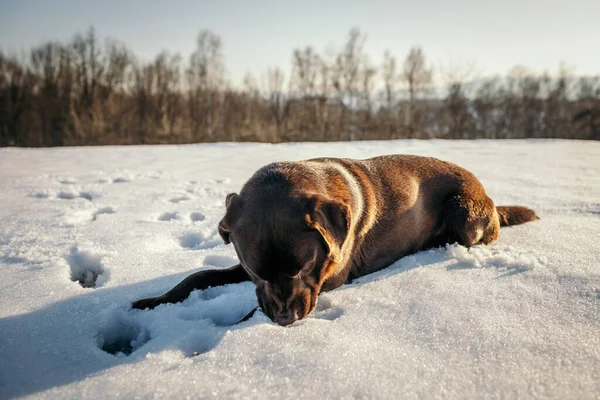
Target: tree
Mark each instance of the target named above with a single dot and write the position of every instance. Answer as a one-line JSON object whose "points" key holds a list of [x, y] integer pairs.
{"points": [[16, 96], [586, 116], [51, 63], [346, 76], [458, 117], [206, 77], [417, 75], [275, 81], [389, 74], [303, 88]]}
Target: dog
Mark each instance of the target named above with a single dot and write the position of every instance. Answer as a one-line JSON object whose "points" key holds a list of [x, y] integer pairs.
{"points": [[302, 228]]}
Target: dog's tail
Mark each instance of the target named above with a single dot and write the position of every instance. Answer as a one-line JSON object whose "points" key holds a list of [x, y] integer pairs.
{"points": [[515, 215]]}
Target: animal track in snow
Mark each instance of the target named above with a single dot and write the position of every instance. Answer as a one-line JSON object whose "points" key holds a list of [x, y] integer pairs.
{"points": [[179, 199], [197, 241], [325, 310], [103, 210], [39, 195], [330, 314], [67, 195], [168, 216], [197, 217], [120, 179], [9, 259], [66, 181], [86, 268], [121, 337], [70, 195], [86, 195]]}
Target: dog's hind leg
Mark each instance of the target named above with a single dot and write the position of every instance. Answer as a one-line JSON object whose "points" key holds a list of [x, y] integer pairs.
{"points": [[470, 219], [197, 281]]}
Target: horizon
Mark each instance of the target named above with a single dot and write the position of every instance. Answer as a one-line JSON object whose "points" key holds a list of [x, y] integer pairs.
{"points": [[466, 36]]}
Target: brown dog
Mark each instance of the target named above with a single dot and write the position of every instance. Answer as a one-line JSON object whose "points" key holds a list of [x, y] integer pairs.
{"points": [[300, 228]]}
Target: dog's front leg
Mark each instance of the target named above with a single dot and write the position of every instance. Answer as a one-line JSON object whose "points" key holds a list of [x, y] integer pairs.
{"points": [[197, 281]]}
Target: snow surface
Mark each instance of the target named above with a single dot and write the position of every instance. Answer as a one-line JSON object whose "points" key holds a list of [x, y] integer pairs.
{"points": [[85, 231]]}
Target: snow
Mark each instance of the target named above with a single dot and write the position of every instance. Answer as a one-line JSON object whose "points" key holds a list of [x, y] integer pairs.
{"points": [[86, 231]]}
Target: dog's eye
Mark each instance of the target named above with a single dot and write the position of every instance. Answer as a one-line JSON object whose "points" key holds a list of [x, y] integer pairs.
{"points": [[299, 275], [308, 266]]}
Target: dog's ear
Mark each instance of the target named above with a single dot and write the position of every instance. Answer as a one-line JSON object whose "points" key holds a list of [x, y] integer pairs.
{"points": [[229, 198], [224, 225], [332, 220]]}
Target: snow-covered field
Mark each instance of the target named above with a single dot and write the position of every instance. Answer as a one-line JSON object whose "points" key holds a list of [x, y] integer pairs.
{"points": [[85, 231]]}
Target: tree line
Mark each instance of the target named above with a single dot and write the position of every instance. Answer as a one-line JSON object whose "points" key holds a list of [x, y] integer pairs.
{"points": [[89, 93]]}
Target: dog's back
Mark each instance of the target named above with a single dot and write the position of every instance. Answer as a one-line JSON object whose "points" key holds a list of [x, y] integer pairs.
{"points": [[401, 204]]}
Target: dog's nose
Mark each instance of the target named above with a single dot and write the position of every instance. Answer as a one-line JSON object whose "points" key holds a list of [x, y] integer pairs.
{"points": [[286, 319]]}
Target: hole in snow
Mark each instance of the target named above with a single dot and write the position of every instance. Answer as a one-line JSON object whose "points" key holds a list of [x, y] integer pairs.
{"points": [[121, 338], [120, 180], [179, 199], [326, 310], [330, 314], [86, 268], [168, 216], [86, 195], [8, 259], [40, 195], [103, 210], [197, 241], [197, 217], [67, 195], [106, 210]]}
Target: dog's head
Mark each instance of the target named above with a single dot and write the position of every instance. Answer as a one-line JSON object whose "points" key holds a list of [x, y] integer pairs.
{"points": [[288, 244]]}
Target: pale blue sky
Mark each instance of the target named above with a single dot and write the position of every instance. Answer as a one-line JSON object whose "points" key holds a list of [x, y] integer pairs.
{"points": [[261, 34]]}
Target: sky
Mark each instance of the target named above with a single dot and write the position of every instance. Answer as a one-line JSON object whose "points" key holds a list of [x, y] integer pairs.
{"points": [[486, 37]]}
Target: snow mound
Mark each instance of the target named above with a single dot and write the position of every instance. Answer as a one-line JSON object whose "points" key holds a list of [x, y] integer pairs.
{"points": [[86, 268]]}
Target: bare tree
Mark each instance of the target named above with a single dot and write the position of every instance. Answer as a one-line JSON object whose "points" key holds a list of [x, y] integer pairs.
{"points": [[389, 74], [305, 67], [390, 79], [458, 118], [206, 77], [586, 118], [89, 70], [277, 102], [303, 88], [51, 63], [486, 104], [167, 86], [417, 75], [16, 97], [346, 79], [365, 106]]}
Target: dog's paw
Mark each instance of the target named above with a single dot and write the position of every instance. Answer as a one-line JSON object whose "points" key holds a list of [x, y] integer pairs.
{"points": [[148, 303]]}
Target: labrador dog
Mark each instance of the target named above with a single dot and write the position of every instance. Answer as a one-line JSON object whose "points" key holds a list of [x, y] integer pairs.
{"points": [[301, 228]]}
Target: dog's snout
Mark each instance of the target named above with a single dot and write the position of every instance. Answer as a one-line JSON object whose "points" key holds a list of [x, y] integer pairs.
{"points": [[285, 304], [286, 319]]}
